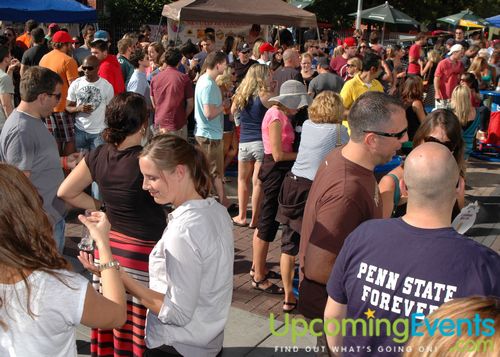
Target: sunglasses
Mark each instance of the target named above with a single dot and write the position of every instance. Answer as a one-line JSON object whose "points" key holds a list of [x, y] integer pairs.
{"points": [[387, 135], [57, 96], [88, 68], [448, 144], [362, 46]]}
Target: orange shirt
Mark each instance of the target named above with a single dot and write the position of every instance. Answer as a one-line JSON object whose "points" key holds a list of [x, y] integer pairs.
{"points": [[25, 38], [66, 67]]}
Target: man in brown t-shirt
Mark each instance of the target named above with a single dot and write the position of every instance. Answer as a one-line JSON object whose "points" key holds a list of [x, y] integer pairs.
{"points": [[344, 192]]}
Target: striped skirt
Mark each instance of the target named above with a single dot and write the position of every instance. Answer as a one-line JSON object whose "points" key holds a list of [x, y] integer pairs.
{"points": [[133, 255]]}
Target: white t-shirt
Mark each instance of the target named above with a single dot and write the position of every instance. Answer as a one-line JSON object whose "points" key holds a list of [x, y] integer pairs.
{"points": [[98, 94], [57, 309]]}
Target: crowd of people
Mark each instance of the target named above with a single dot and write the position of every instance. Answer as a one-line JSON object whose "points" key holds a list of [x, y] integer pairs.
{"points": [[307, 124]]}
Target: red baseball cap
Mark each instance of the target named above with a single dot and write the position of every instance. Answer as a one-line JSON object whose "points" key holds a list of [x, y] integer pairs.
{"points": [[266, 47], [53, 25], [350, 42], [62, 37]]}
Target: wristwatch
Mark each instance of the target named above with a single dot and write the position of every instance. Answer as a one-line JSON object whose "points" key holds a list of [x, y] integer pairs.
{"points": [[111, 264]]}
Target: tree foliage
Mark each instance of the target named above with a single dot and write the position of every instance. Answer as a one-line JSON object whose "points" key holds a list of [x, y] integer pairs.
{"points": [[425, 11], [122, 12]]}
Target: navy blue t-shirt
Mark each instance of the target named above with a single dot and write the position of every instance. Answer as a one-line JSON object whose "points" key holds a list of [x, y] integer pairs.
{"points": [[251, 120], [397, 270]]}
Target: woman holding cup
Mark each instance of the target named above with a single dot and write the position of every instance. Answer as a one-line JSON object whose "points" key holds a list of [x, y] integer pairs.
{"points": [[191, 267], [136, 221]]}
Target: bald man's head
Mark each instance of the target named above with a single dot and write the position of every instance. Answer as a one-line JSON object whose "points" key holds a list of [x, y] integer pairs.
{"points": [[431, 174], [291, 58]]}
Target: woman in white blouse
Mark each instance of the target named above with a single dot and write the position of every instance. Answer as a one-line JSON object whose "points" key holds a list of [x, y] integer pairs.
{"points": [[191, 267]]}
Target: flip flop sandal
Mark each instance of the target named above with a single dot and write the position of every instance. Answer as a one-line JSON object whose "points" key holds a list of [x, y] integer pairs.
{"points": [[272, 289], [292, 304], [270, 274], [240, 224]]}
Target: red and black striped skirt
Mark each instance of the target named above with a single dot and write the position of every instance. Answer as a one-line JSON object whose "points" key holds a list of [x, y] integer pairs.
{"points": [[133, 255]]}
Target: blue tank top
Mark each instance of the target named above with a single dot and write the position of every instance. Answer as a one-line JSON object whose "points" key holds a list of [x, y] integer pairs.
{"points": [[251, 120]]}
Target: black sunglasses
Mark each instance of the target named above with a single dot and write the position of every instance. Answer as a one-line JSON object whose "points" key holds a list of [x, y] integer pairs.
{"points": [[88, 68], [57, 96], [387, 135], [448, 144]]}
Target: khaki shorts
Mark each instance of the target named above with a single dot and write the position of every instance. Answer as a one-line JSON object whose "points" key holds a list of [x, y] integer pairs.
{"points": [[214, 150]]}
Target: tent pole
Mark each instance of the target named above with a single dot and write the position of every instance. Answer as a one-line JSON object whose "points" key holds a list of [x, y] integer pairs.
{"points": [[158, 32], [177, 32], [317, 30]]}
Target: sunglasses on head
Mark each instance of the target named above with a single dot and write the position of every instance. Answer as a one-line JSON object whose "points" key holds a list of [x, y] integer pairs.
{"points": [[448, 144], [387, 135]]}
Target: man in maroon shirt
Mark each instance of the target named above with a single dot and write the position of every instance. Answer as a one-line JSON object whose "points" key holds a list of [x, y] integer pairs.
{"points": [[345, 193], [172, 96], [109, 68], [338, 65], [447, 76], [415, 54]]}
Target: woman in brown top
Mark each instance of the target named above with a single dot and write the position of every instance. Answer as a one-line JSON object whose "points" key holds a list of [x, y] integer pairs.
{"points": [[137, 222]]}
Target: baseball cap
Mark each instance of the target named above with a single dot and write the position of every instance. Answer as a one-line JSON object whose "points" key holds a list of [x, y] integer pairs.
{"points": [[101, 35], [455, 48], [350, 42], [323, 62], [243, 47], [62, 37], [266, 47], [53, 25]]}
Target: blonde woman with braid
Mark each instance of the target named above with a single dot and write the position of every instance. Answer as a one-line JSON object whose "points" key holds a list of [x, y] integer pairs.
{"points": [[250, 104]]}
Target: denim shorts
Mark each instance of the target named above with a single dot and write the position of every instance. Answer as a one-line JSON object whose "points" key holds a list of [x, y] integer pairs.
{"points": [[251, 151]]}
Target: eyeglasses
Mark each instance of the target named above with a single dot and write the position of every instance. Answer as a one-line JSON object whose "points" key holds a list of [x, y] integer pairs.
{"points": [[55, 95], [448, 144], [88, 68], [387, 135]]}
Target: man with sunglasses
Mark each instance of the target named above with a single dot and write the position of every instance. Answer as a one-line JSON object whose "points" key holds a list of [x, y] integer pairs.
{"points": [[405, 268], [345, 193], [26, 143], [88, 97]]}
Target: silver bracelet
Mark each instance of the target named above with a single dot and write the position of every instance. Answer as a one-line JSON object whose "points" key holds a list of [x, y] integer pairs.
{"points": [[111, 264]]}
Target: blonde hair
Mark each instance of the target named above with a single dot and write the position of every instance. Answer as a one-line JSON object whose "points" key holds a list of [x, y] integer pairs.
{"points": [[338, 51], [477, 66], [465, 309], [461, 104], [254, 83], [356, 62], [434, 56], [255, 49], [224, 80], [326, 107], [306, 54]]}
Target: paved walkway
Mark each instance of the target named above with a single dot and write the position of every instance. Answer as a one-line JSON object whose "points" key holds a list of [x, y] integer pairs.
{"points": [[248, 330]]}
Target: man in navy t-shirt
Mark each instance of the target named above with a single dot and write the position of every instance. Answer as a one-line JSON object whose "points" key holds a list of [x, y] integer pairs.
{"points": [[405, 268]]}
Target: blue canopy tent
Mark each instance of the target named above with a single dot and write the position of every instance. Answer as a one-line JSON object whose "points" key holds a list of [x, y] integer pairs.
{"points": [[495, 20], [61, 11]]}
